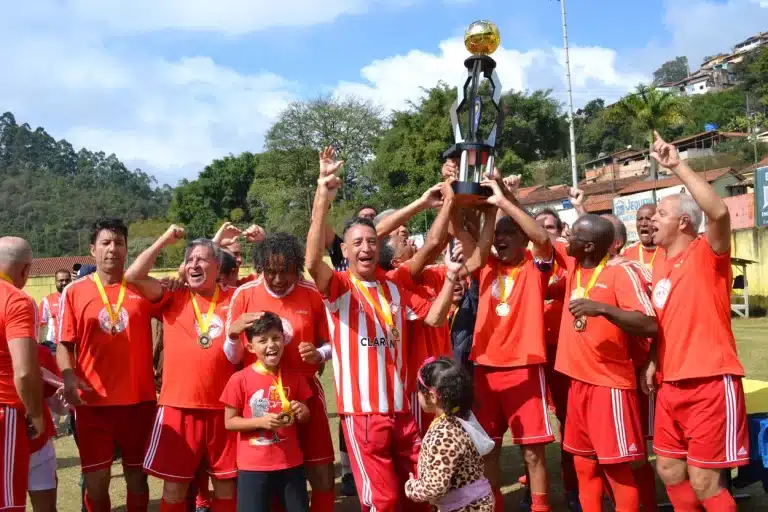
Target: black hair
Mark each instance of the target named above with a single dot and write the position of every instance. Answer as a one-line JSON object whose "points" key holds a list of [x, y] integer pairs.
{"points": [[63, 271], [451, 383], [268, 322], [285, 245], [228, 263], [109, 224], [553, 213], [367, 207], [357, 221], [620, 233]]}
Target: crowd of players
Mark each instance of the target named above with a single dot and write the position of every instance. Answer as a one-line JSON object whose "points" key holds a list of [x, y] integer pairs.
{"points": [[625, 344]]}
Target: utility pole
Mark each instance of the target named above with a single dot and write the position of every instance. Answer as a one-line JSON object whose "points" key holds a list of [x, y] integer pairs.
{"points": [[752, 130], [574, 171]]}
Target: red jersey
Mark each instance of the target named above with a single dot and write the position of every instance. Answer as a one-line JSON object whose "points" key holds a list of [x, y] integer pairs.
{"points": [[516, 339], [553, 305], [599, 355], [118, 368], [301, 310], [369, 364], [47, 361], [193, 376], [427, 341], [639, 347], [49, 314], [692, 297], [641, 254], [247, 279], [253, 394], [18, 319]]}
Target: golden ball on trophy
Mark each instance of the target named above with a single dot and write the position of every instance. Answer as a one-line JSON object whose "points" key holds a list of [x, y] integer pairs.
{"points": [[482, 37]]}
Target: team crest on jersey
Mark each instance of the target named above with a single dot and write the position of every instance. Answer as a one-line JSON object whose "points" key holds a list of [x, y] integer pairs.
{"points": [[216, 326], [105, 322], [661, 292], [287, 330]]}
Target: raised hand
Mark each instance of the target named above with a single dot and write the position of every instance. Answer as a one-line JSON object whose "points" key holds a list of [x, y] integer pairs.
{"points": [[498, 194], [576, 196], [512, 183], [446, 189], [454, 262], [173, 234], [241, 324], [433, 197], [450, 168], [227, 234], [255, 233], [328, 163], [664, 153]]}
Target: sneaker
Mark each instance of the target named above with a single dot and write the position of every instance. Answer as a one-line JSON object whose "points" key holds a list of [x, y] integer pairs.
{"points": [[525, 503], [347, 487], [203, 509], [572, 498]]}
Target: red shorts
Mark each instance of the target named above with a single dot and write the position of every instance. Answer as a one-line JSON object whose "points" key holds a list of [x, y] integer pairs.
{"points": [[703, 421], [14, 458], [423, 419], [182, 439], [383, 452], [100, 428], [603, 422], [315, 435], [647, 405], [514, 399]]}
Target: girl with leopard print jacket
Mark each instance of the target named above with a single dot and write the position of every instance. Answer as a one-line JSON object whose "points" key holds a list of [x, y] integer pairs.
{"points": [[451, 458]]}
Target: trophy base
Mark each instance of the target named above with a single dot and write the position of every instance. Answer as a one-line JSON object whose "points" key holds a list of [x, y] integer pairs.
{"points": [[470, 194]]}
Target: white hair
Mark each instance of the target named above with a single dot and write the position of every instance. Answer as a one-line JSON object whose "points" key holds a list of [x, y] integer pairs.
{"points": [[689, 208]]}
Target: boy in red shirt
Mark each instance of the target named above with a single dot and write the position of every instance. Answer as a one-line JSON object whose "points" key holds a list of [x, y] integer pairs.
{"points": [[508, 349], [701, 423], [263, 406]]}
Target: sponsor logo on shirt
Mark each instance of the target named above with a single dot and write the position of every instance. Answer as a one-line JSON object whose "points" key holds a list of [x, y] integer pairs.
{"points": [[302, 312], [105, 322], [661, 293], [377, 342], [134, 296]]}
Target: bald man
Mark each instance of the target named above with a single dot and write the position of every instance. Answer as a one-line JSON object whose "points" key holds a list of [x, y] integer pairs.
{"points": [[21, 383]]}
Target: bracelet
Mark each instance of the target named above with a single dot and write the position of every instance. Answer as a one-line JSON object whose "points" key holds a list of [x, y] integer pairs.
{"points": [[449, 279]]}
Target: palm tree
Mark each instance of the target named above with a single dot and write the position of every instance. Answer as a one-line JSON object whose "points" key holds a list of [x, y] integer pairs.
{"points": [[651, 109]]}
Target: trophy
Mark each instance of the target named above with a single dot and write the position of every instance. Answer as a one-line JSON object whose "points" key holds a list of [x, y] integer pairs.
{"points": [[476, 155]]}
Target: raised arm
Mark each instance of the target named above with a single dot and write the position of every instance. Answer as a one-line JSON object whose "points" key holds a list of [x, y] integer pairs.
{"points": [[138, 273], [542, 245], [438, 312], [482, 250], [327, 187], [577, 198], [437, 235], [430, 199], [718, 230]]}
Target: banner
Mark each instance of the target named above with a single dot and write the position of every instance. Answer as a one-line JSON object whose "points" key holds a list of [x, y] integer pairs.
{"points": [[625, 207], [761, 196]]}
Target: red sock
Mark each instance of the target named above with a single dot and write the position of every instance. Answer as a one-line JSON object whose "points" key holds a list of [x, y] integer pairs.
{"points": [[625, 492], [173, 507], [540, 502], [720, 502], [682, 497], [645, 478], [97, 506], [224, 505], [499, 499], [590, 484], [322, 501], [136, 502]]}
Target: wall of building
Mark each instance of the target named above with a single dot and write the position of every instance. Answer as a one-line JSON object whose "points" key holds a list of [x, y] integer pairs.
{"points": [[752, 244]]}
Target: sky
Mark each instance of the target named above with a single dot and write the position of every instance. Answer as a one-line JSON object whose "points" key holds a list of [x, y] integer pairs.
{"points": [[170, 85]]}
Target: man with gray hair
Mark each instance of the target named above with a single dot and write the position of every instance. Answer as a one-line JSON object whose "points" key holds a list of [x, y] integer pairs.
{"points": [[21, 384], [701, 425], [189, 425]]}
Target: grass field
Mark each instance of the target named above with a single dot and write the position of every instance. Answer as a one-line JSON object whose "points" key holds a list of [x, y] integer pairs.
{"points": [[752, 340]]}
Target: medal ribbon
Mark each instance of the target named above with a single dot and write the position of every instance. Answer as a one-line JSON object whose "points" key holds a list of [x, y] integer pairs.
{"points": [[114, 315], [553, 277], [6, 277], [278, 382], [205, 323], [593, 279], [642, 258], [382, 310], [502, 280]]}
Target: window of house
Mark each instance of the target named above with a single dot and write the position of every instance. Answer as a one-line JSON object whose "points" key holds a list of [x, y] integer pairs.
{"points": [[701, 87]]}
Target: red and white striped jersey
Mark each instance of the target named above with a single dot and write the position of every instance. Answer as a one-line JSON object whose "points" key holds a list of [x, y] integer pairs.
{"points": [[369, 364], [49, 314]]}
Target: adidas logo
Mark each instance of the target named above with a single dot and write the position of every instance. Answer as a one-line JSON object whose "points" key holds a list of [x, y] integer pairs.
{"points": [[632, 448], [742, 451]]}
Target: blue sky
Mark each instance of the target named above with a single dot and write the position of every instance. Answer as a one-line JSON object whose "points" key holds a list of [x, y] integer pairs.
{"points": [[168, 85]]}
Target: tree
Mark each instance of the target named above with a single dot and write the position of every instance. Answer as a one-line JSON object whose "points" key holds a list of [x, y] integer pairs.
{"points": [[671, 71], [754, 75], [650, 109]]}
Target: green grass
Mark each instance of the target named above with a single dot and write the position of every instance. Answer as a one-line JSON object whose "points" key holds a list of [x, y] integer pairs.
{"points": [[752, 340]]}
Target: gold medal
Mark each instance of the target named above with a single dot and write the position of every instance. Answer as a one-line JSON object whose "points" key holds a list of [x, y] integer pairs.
{"points": [[395, 333], [502, 309], [580, 324], [381, 309], [204, 340], [285, 418], [114, 314]]}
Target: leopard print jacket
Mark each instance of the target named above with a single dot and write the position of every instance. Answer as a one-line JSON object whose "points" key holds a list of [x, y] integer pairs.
{"points": [[448, 460]]}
